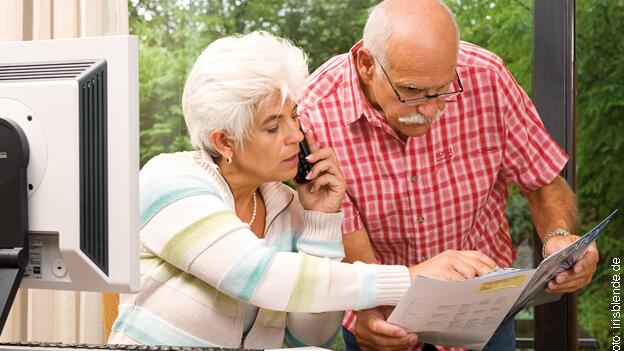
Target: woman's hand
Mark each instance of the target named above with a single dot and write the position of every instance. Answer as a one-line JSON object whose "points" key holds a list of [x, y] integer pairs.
{"points": [[327, 186], [454, 265]]}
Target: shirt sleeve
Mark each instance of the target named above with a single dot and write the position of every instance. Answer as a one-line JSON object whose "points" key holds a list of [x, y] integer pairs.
{"points": [[531, 157], [352, 219]]}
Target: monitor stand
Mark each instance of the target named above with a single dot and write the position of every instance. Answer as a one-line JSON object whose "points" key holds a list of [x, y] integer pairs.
{"points": [[14, 155]]}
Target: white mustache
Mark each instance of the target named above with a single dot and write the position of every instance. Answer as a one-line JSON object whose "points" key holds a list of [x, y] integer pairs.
{"points": [[418, 118]]}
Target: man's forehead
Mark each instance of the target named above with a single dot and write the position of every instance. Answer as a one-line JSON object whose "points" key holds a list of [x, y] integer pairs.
{"points": [[421, 75], [421, 65]]}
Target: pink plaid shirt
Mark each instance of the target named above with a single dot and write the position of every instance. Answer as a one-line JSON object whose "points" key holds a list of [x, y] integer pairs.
{"points": [[447, 189]]}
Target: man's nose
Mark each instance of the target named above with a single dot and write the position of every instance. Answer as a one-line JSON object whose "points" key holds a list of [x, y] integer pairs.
{"points": [[430, 107]]}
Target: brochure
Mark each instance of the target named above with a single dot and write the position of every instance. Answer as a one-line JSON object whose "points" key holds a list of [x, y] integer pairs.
{"points": [[466, 313]]}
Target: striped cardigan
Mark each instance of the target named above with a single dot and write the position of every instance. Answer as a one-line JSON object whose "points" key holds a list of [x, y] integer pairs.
{"points": [[200, 264]]}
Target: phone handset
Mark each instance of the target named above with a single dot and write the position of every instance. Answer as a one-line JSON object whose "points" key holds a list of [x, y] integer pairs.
{"points": [[303, 166]]}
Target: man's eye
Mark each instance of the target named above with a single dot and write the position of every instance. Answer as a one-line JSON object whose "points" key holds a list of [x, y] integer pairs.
{"points": [[412, 91]]}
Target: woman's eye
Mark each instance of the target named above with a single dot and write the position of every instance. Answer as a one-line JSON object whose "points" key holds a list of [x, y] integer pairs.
{"points": [[272, 130]]}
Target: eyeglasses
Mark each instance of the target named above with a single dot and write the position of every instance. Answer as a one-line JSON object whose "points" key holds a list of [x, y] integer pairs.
{"points": [[419, 100]]}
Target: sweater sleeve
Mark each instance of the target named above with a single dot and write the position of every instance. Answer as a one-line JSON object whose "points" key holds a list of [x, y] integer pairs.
{"points": [[321, 235], [197, 233]]}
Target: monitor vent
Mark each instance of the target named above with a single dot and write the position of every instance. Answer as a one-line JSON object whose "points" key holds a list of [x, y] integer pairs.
{"points": [[93, 167], [52, 70]]}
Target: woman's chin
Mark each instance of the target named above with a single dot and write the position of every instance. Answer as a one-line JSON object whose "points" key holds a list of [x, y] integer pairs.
{"points": [[284, 175], [290, 175]]}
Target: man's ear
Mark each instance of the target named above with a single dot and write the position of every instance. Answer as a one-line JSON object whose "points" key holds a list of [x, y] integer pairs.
{"points": [[222, 142], [365, 64]]}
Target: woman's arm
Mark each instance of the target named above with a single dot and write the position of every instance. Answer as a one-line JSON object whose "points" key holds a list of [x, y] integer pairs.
{"points": [[201, 236], [322, 236]]}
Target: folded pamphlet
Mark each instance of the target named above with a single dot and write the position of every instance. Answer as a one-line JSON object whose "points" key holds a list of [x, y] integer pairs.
{"points": [[466, 313]]}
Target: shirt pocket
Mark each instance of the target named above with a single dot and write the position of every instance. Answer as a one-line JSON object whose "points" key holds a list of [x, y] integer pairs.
{"points": [[463, 182]]}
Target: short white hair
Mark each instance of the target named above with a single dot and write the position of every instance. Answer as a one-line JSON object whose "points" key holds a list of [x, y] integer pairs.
{"points": [[377, 33], [378, 30], [232, 78]]}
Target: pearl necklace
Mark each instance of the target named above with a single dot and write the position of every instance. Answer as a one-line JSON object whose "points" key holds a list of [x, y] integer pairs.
{"points": [[253, 214]]}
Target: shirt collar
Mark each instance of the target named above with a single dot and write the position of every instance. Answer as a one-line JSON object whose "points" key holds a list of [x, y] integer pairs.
{"points": [[352, 91]]}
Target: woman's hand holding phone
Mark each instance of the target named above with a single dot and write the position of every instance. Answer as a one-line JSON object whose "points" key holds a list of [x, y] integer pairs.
{"points": [[326, 187]]}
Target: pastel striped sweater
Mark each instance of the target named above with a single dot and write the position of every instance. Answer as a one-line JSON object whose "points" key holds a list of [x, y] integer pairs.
{"points": [[200, 264]]}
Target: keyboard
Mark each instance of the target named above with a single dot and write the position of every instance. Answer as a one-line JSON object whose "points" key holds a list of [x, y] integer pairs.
{"points": [[51, 346]]}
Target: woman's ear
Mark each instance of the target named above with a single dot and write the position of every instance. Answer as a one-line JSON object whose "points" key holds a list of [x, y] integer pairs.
{"points": [[365, 63], [221, 142]]}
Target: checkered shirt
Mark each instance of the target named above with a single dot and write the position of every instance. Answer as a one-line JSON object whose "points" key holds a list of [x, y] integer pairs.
{"points": [[446, 189]]}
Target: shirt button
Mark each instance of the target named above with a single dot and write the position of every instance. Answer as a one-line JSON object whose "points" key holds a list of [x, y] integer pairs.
{"points": [[420, 219], [414, 178]]}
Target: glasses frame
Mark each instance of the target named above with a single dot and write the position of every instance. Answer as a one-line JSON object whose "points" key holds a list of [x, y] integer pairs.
{"points": [[417, 101]]}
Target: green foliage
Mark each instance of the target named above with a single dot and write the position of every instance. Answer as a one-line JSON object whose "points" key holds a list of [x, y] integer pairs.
{"points": [[520, 223], [502, 26], [600, 146], [318, 26]]}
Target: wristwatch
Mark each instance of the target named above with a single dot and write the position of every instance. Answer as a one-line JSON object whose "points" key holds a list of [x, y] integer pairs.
{"points": [[551, 234]]}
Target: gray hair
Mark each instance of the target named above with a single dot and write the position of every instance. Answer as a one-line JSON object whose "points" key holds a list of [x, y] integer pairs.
{"points": [[378, 30], [232, 78], [377, 33]]}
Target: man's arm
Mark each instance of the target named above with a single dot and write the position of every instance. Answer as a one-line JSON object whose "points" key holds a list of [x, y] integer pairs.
{"points": [[358, 247], [372, 332], [554, 206]]}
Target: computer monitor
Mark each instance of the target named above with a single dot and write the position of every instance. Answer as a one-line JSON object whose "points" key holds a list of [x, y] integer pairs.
{"points": [[76, 103]]}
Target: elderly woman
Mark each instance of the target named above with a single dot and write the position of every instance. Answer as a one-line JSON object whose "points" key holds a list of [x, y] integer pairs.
{"points": [[231, 257]]}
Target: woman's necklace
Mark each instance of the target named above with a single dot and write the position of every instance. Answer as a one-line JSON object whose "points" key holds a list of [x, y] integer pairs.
{"points": [[255, 201], [253, 214]]}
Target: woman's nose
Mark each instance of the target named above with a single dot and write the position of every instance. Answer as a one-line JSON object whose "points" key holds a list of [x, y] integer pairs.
{"points": [[295, 133]]}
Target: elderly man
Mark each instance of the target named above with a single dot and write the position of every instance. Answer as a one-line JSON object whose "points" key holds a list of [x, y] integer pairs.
{"points": [[429, 131]]}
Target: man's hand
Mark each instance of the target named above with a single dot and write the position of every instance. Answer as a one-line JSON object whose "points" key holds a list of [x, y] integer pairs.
{"points": [[454, 265], [580, 274], [372, 332]]}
